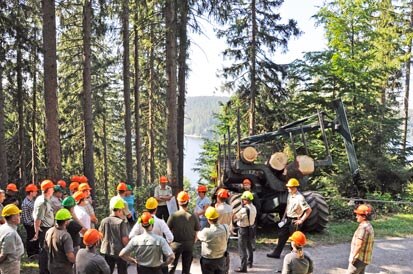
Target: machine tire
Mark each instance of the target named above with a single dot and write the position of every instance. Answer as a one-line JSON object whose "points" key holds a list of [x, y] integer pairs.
{"points": [[236, 203], [318, 219]]}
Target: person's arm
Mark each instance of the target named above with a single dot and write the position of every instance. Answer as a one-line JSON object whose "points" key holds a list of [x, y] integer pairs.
{"points": [[286, 266], [169, 259], [71, 257], [124, 254], [3, 257], [166, 231], [104, 267], [167, 251], [356, 251], [306, 214], [37, 229]]}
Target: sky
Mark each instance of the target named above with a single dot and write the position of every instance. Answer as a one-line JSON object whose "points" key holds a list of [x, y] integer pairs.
{"points": [[206, 49]]}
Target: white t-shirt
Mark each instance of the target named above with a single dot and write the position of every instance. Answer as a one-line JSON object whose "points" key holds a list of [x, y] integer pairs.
{"points": [[83, 217]]}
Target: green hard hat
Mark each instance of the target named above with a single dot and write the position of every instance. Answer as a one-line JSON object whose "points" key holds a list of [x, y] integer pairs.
{"points": [[247, 195], [69, 201], [63, 215], [129, 187], [119, 204], [58, 188]]}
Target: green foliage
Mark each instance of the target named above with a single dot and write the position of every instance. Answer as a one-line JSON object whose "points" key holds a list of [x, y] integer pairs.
{"points": [[340, 209]]}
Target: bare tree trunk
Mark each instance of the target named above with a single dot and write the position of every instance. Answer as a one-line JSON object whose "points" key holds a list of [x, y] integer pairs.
{"points": [[183, 45], [34, 111], [4, 177], [407, 86], [50, 86], [253, 90], [105, 160], [172, 148], [89, 164], [20, 111], [137, 105], [126, 91], [151, 133]]}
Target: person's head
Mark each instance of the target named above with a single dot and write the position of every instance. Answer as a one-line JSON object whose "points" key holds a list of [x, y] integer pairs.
{"points": [[92, 237], [31, 191], [212, 215], [292, 185], [73, 187], [298, 240], [146, 220], [85, 188], [118, 207], [129, 190], [246, 184], [247, 197], [68, 202], [222, 195], [2, 196], [11, 189], [151, 205], [122, 188], [63, 217], [58, 191], [62, 184], [183, 199], [79, 197], [12, 214], [47, 188], [363, 213], [202, 189], [163, 180]]}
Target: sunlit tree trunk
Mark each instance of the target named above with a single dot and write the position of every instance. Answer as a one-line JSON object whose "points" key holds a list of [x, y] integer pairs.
{"points": [[4, 178], [253, 52]]}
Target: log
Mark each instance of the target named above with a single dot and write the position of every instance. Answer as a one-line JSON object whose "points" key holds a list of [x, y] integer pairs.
{"points": [[278, 161], [302, 166], [249, 155]]}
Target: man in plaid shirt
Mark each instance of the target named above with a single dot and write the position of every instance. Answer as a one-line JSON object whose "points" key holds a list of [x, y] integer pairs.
{"points": [[362, 243], [32, 247]]}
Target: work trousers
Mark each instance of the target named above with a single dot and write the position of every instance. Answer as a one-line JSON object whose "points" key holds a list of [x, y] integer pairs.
{"points": [[245, 237], [32, 247], [149, 270], [184, 248], [213, 266], [162, 213], [43, 255], [284, 233], [10, 267], [116, 260], [358, 267]]}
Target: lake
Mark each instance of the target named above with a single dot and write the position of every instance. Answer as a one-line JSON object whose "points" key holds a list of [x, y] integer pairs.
{"points": [[193, 147]]}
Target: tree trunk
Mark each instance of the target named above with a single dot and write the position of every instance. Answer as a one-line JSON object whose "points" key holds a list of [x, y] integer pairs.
{"points": [[151, 92], [137, 105], [183, 45], [89, 164], [34, 111], [126, 91], [407, 86], [105, 160], [50, 87], [172, 148], [253, 57], [20, 111], [4, 177]]}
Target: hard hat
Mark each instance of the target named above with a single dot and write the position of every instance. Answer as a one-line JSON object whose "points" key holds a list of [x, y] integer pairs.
{"points": [[146, 219], [57, 188], [211, 213], [202, 188], [10, 209], [247, 195], [82, 179], [293, 182], [69, 202], [119, 204], [31, 188], [75, 178], [74, 186], [91, 237], [183, 197], [121, 186], [298, 238], [151, 203], [246, 182], [223, 193], [62, 184], [12, 187], [129, 187], [63, 214], [84, 187], [46, 184], [363, 210], [78, 195], [163, 179]]}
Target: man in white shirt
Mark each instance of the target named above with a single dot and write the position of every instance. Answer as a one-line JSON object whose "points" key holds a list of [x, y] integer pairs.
{"points": [[163, 193], [81, 213]]}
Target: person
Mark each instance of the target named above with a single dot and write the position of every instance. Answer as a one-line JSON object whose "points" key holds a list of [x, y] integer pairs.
{"points": [[202, 203], [149, 248], [130, 201], [2, 197], [362, 242], [74, 228], [85, 188], [121, 189], [87, 261], [56, 199], [297, 262], [43, 220], [11, 195], [184, 226], [296, 212], [115, 237], [73, 187], [62, 184], [162, 194], [214, 241], [59, 245], [247, 186], [224, 209], [245, 220], [81, 213], [11, 245], [32, 247]]}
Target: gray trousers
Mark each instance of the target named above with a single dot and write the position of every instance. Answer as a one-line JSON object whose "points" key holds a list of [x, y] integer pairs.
{"points": [[245, 238], [358, 267]]}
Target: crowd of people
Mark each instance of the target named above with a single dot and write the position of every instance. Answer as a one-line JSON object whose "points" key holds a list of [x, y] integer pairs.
{"points": [[64, 235]]}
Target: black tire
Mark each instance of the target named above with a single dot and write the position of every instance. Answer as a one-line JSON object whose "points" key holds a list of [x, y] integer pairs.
{"points": [[236, 203], [318, 219]]}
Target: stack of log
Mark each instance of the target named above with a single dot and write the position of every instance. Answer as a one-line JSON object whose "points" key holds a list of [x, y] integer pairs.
{"points": [[303, 165]]}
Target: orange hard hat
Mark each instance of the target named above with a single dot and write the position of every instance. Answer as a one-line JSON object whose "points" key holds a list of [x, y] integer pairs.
{"points": [[91, 237], [163, 179], [146, 219], [61, 183], [122, 186], [363, 210], [75, 178], [12, 187], [31, 188], [46, 184], [223, 193], [74, 186], [183, 197], [78, 195], [84, 186], [82, 179], [298, 238], [202, 188], [246, 182]]}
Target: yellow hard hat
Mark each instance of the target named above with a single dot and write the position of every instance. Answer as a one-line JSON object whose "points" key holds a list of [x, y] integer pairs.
{"points": [[293, 182], [151, 203], [211, 213], [119, 204], [9, 210], [247, 195]]}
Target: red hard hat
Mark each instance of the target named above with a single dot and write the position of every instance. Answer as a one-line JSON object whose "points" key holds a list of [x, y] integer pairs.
{"points": [[122, 186], [163, 179], [223, 193], [61, 183], [202, 188], [363, 210], [91, 236], [31, 188], [82, 179], [298, 238], [46, 184], [74, 186], [12, 187], [84, 186], [183, 197], [78, 195]]}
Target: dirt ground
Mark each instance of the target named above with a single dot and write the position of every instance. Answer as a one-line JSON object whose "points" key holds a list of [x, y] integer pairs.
{"points": [[390, 255]]}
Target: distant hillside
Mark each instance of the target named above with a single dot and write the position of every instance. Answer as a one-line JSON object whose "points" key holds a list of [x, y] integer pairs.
{"points": [[199, 114]]}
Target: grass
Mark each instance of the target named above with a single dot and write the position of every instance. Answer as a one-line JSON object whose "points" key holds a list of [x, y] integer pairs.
{"points": [[28, 266]]}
